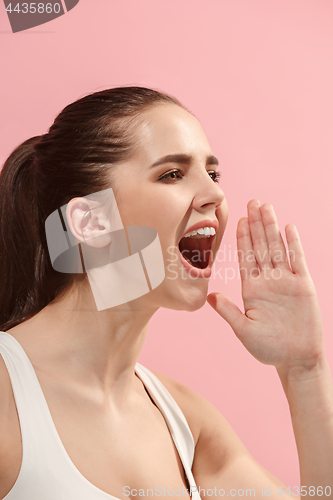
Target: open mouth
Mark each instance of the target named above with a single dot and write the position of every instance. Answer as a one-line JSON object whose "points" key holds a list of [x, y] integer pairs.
{"points": [[197, 250]]}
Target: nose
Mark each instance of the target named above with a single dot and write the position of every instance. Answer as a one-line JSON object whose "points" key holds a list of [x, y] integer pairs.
{"points": [[208, 195]]}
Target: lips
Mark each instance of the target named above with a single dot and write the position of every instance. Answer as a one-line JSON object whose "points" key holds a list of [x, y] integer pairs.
{"points": [[197, 252]]}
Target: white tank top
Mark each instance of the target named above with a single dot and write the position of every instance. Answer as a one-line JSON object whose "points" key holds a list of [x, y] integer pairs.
{"points": [[47, 472]]}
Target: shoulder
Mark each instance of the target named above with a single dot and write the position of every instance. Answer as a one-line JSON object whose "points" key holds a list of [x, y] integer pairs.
{"points": [[9, 424], [220, 457], [211, 432], [10, 434], [187, 400], [7, 403], [6, 392]]}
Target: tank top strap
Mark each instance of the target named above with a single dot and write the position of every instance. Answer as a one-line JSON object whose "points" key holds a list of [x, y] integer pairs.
{"points": [[176, 422], [33, 412]]}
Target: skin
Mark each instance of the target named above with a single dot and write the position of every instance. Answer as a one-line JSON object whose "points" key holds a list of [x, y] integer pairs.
{"points": [[85, 359]]}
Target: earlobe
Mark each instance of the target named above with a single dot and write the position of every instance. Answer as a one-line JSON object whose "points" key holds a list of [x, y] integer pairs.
{"points": [[88, 223]]}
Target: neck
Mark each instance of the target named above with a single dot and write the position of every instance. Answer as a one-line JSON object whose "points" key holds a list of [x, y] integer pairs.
{"points": [[99, 348]]}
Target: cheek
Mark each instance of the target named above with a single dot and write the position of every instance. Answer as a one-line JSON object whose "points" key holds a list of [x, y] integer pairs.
{"points": [[160, 207], [132, 208]]}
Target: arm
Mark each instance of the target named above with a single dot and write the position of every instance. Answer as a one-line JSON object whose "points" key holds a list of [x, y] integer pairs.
{"points": [[310, 396], [221, 461], [282, 326]]}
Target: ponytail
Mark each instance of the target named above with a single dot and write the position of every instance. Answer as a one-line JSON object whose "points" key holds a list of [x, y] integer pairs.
{"points": [[22, 258]]}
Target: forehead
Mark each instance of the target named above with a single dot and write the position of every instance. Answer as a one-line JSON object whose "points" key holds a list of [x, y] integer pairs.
{"points": [[169, 129]]}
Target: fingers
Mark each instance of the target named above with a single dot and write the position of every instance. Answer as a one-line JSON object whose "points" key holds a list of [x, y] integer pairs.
{"points": [[247, 261], [252, 245], [258, 235], [260, 244], [277, 249], [259, 241], [226, 308], [296, 254]]}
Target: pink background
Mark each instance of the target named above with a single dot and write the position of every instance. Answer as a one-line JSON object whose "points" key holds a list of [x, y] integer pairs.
{"points": [[258, 74]]}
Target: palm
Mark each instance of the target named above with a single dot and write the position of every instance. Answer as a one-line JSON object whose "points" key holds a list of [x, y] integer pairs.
{"points": [[281, 324]]}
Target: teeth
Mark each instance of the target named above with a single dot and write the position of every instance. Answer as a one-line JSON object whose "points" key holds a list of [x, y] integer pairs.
{"points": [[203, 232]]}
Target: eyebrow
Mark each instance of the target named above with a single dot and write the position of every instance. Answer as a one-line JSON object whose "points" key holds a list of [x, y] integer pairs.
{"points": [[184, 159]]}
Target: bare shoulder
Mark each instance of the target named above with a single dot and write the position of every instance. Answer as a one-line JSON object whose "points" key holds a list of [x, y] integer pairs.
{"points": [[211, 431], [10, 436], [187, 400], [6, 400], [220, 457], [6, 393]]}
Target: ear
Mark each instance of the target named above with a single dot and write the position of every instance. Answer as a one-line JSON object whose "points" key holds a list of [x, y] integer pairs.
{"points": [[88, 222]]}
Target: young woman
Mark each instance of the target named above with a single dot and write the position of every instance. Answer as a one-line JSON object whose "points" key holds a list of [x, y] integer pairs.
{"points": [[79, 417]]}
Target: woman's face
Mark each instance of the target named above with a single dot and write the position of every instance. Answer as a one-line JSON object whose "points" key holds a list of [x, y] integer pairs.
{"points": [[169, 185]]}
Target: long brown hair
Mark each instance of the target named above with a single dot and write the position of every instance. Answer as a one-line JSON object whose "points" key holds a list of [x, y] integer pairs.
{"points": [[45, 172]]}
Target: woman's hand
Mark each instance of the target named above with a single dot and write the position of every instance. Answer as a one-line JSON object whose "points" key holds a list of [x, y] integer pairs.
{"points": [[282, 323]]}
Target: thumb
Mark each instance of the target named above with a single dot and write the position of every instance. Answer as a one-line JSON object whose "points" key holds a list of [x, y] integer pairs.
{"points": [[226, 308]]}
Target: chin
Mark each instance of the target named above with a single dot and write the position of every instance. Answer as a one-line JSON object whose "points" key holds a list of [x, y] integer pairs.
{"points": [[188, 300], [194, 306], [178, 295]]}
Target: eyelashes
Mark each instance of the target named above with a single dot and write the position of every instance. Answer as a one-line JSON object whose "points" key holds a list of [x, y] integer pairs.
{"points": [[175, 175], [216, 176]]}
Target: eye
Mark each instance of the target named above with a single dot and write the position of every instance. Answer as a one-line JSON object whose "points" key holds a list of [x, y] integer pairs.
{"points": [[173, 175], [215, 175]]}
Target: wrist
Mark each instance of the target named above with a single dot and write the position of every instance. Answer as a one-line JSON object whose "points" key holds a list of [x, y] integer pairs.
{"points": [[309, 388], [305, 370]]}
